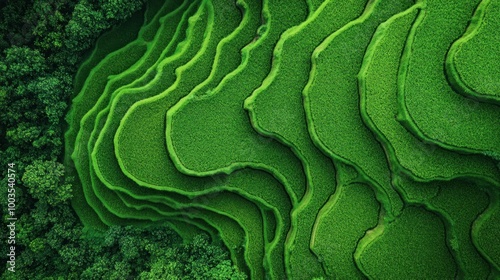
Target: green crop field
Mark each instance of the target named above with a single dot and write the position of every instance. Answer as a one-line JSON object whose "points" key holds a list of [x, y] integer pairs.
{"points": [[469, 59], [313, 139]]}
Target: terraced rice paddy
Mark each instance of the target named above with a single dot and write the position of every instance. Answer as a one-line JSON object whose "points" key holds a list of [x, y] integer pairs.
{"points": [[312, 138]]}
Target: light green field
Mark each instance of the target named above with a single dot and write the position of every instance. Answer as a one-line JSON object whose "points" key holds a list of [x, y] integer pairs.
{"points": [[85, 99], [223, 134], [471, 59], [331, 101], [282, 89], [378, 91], [341, 223], [485, 232], [291, 133], [402, 245], [438, 114]]}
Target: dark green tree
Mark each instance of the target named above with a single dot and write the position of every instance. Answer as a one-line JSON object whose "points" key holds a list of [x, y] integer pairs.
{"points": [[45, 181]]}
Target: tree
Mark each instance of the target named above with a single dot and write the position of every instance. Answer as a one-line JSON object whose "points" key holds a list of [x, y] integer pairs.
{"points": [[46, 182], [84, 26], [21, 63]]}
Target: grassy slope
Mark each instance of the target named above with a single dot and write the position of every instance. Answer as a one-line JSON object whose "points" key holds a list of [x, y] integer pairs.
{"points": [[124, 212], [229, 121], [458, 203], [382, 57], [378, 91], [407, 251], [95, 191], [485, 231], [249, 208], [211, 134], [469, 61], [438, 114], [110, 200], [341, 223], [84, 101], [100, 173], [273, 198], [276, 110], [331, 101], [104, 158], [461, 203], [142, 154], [237, 39]]}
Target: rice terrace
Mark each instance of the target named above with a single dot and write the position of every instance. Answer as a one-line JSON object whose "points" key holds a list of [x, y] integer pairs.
{"points": [[312, 139]]}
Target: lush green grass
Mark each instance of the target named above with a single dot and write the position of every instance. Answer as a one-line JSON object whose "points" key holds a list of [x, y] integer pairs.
{"points": [[403, 250], [469, 63], [283, 89], [378, 91], [341, 223], [212, 134], [94, 191], [265, 192], [485, 231], [103, 151], [331, 101], [461, 203], [108, 196], [458, 203], [133, 146], [165, 42], [107, 171], [85, 100], [104, 159], [274, 129], [188, 125], [438, 114]]}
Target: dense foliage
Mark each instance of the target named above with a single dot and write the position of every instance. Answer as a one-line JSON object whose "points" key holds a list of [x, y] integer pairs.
{"points": [[41, 45]]}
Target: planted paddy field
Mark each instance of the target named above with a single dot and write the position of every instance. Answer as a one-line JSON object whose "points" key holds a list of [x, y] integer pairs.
{"points": [[312, 139]]}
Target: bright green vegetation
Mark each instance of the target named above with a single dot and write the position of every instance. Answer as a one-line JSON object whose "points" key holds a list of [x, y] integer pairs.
{"points": [[402, 244], [471, 59], [108, 168], [485, 232], [458, 203], [341, 223], [214, 124], [378, 91], [276, 110], [96, 83], [438, 114], [111, 167], [112, 65], [332, 100], [287, 134], [106, 196]]}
